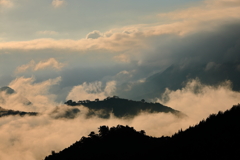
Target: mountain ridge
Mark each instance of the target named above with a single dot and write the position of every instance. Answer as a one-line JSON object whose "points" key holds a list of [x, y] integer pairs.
{"points": [[217, 137], [121, 107]]}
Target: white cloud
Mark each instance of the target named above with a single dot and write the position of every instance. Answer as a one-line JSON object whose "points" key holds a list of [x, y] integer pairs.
{"points": [[25, 67], [32, 65], [49, 63], [206, 16], [198, 100], [91, 91], [28, 90], [57, 3], [6, 3]]}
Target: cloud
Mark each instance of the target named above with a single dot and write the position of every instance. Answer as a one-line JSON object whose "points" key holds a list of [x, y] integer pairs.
{"points": [[47, 33], [210, 10], [57, 3], [6, 3], [37, 93], [122, 58], [25, 67], [94, 35], [211, 66], [198, 100], [50, 63], [209, 16], [91, 91]]}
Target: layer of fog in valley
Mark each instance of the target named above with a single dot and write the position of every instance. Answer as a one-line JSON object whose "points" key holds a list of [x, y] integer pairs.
{"points": [[34, 137]]}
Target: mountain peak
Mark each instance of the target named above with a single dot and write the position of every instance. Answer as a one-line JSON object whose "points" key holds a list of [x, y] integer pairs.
{"points": [[7, 89]]}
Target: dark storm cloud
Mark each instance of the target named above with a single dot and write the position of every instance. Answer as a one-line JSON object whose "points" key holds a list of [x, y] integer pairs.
{"points": [[212, 56]]}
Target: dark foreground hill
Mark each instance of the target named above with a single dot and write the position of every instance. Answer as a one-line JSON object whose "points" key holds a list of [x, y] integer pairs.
{"points": [[121, 107], [217, 137]]}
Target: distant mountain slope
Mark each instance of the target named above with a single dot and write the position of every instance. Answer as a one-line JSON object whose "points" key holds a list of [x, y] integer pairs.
{"points": [[7, 89], [217, 137], [9, 92], [122, 107], [175, 76]]}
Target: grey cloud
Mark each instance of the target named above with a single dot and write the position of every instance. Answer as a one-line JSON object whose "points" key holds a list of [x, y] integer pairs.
{"points": [[211, 56], [94, 35]]}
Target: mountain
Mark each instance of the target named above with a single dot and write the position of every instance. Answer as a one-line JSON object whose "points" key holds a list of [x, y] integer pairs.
{"points": [[9, 92], [8, 112], [122, 107], [217, 137], [176, 76]]}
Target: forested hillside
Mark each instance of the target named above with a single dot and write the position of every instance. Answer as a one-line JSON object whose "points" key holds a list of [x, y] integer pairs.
{"points": [[217, 137], [121, 107]]}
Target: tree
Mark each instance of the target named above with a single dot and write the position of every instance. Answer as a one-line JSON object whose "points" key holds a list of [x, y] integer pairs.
{"points": [[143, 132], [103, 130]]}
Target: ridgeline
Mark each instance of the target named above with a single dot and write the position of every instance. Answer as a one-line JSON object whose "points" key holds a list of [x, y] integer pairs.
{"points": [[217, 137], [122, 107]]}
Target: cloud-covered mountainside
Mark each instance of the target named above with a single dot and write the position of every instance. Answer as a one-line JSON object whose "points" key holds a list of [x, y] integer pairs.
{"points": [[176, 76], [217, 137], [121, 108]]}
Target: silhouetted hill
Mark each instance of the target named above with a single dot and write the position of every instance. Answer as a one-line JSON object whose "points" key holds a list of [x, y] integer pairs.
{"points": [[7, 112], [122, 107], [217, 137]]}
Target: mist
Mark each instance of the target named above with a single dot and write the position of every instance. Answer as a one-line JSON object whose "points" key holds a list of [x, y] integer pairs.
{"points": [[34, 137]]}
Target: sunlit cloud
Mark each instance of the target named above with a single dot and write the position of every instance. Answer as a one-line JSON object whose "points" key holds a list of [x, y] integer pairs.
{"points": [[32, 65], [25, 67], [6, 3], [49, 63], [92, 91], [198, 100], [37, 93], [206, 16], [57, 3], [210, 10]]}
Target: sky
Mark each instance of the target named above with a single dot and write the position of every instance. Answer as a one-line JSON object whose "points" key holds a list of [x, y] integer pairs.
{"points": [[120, 41], [55, 50]]}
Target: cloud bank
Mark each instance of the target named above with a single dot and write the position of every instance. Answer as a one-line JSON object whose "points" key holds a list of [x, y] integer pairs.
{"points": [[183, 22]]}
